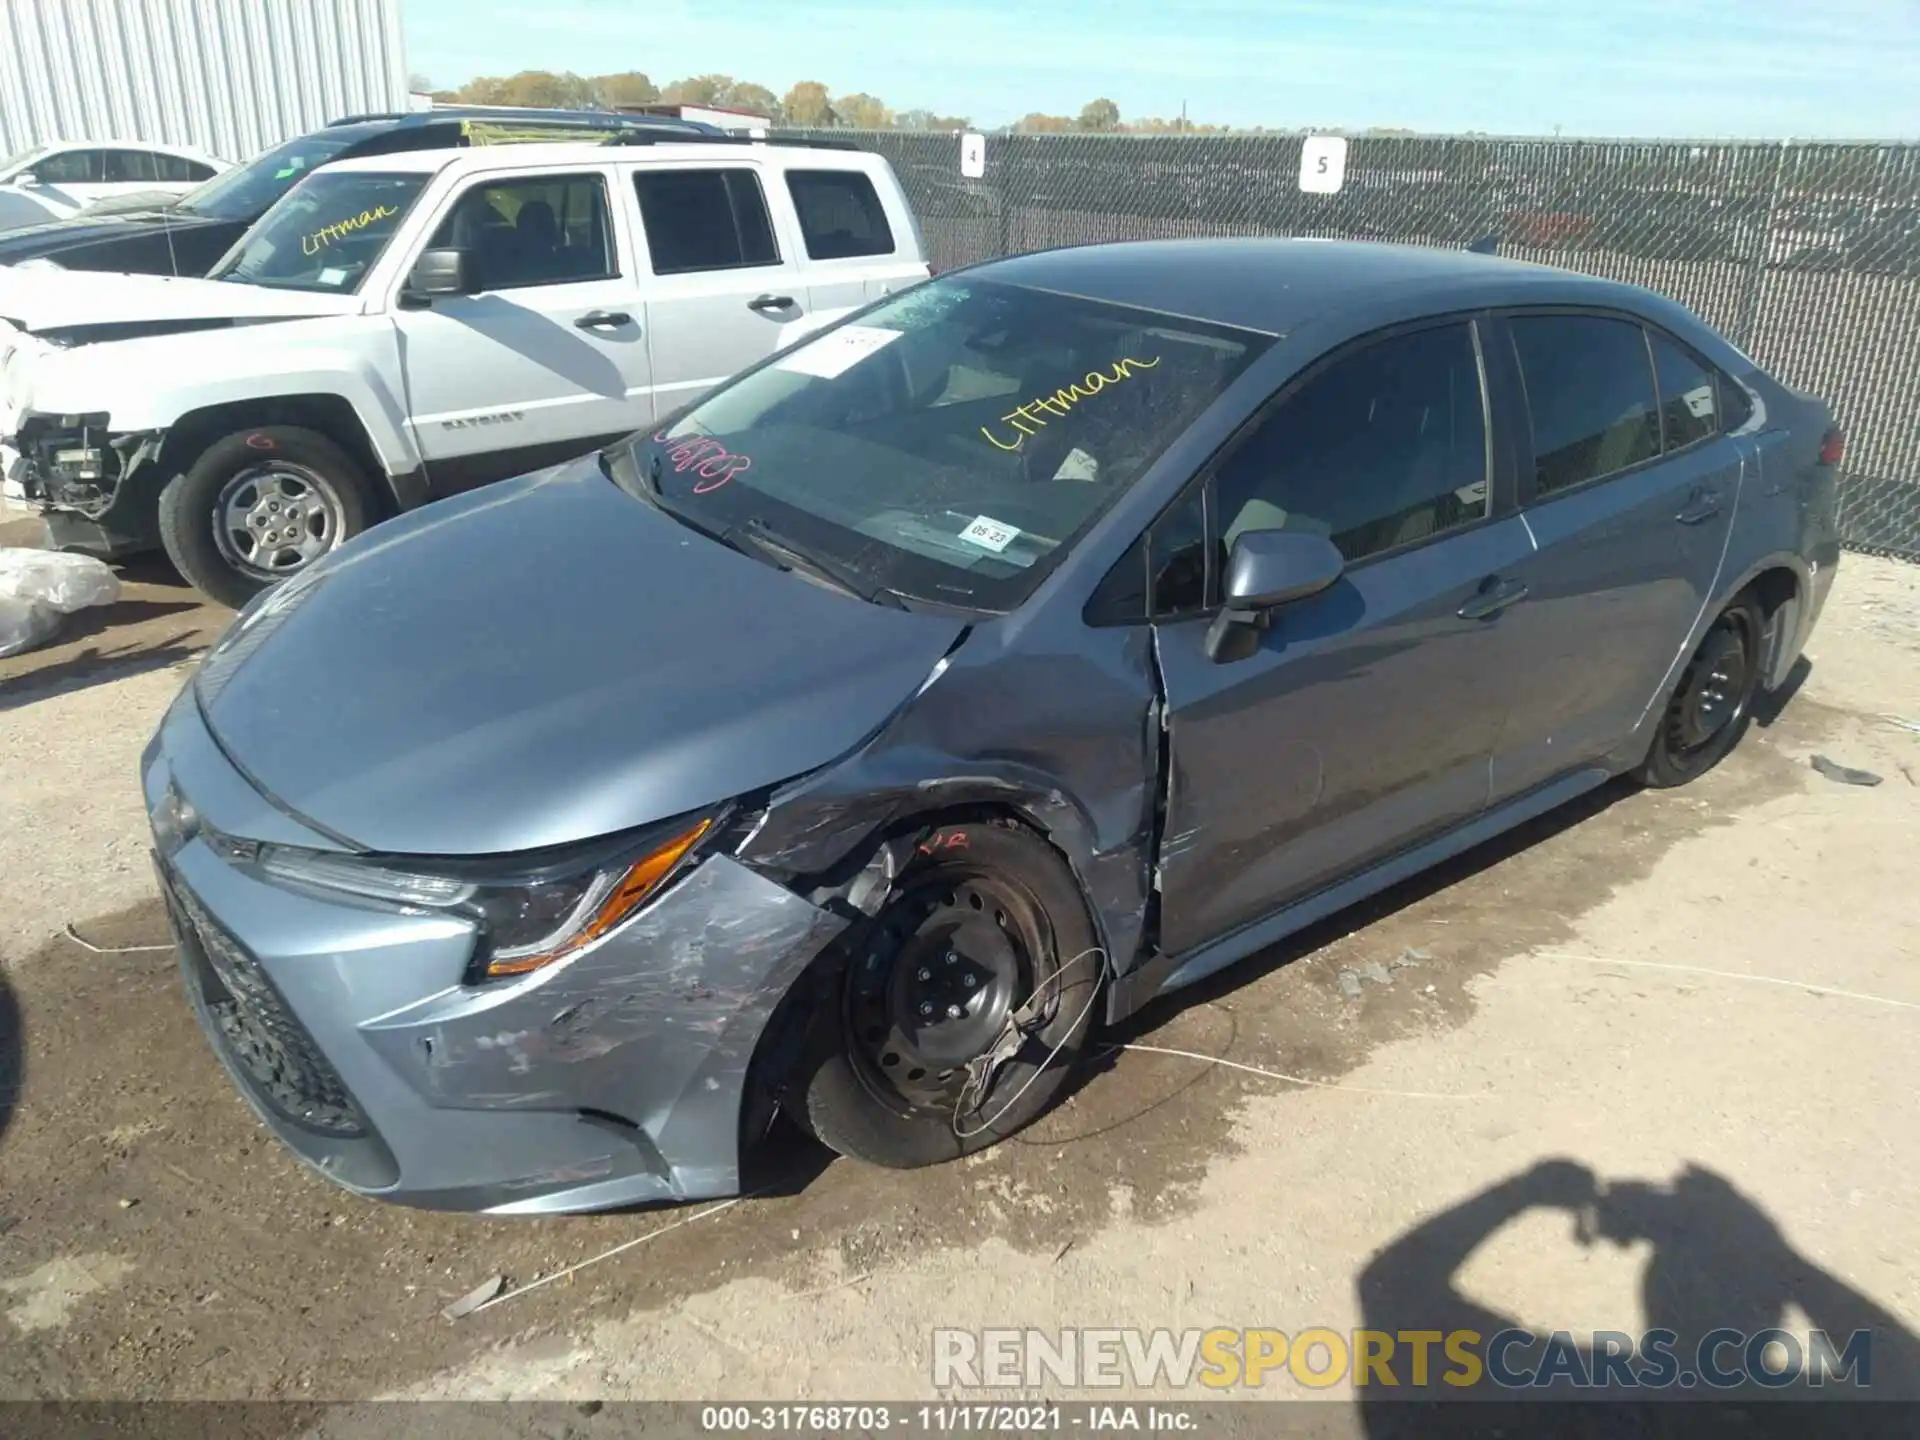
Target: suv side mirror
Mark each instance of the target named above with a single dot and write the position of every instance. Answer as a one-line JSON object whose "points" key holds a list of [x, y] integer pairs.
{"points": [[438, 273], [1268, 568]]}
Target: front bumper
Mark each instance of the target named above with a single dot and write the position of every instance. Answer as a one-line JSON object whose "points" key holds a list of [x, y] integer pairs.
{"points": [[617, 1076]]}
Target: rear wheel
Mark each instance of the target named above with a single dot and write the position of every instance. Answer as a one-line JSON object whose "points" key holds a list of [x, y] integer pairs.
{"points": [[258, 507], [960, 1010], [1712, 705]]}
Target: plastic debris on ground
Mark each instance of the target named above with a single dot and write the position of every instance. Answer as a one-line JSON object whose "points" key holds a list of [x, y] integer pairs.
{"points": [[1844, 774], [39, 588]]}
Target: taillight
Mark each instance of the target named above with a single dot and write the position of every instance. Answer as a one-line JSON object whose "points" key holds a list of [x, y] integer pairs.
{"points": [[1833, 448]]}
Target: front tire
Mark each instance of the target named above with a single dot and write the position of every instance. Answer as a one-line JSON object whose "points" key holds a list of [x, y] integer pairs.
{"points": [[260, 506], [984, 927], [1712, 705]]}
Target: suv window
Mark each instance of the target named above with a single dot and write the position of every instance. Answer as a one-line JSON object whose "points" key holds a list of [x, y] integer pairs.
{"points": [[545, 230], [324, 234], [840, 214], [1385, 447], [1590, 393], [69, 167], [705, 220], [1689, 409]]}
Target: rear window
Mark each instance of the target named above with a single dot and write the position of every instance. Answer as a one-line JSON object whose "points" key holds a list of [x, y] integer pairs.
{"points": [[705, 220], [1590, 394], [840, 214], [1689, 408]]}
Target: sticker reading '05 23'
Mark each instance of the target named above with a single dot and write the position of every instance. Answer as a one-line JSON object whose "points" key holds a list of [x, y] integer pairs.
{"points": [[990, 534]]}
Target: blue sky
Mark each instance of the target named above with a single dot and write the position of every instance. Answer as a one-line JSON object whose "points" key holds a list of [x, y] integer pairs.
{"points": [[1813, 68]]}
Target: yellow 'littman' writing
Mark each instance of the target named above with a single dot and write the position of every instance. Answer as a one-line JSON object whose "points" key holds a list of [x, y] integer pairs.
{"points": [[1061, 402], [316, 241]]}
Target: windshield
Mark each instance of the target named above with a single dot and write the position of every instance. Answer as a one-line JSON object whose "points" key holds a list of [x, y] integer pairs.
{"points": [[952, 445], [242, 193], [323, 235]]}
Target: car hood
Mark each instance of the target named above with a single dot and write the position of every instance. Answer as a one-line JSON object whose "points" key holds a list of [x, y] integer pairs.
{"points": [[543, 661], [69, 304], [50, 237]]}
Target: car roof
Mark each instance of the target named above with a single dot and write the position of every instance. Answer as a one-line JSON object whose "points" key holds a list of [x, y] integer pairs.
{"points": [[157, 147], [536, 153], [1274, 285]]}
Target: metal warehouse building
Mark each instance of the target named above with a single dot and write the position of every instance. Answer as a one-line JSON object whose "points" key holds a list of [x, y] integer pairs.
{"points": [[231, 77]]}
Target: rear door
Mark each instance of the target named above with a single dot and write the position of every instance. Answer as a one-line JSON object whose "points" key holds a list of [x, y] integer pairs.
{"points": [[549, 357], [1366, 718], [1629, 494], [720, 282], [855, 246]]}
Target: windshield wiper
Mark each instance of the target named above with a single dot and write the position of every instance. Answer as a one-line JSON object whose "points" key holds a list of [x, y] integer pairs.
{"points": [[755, 537], [760, 535]]}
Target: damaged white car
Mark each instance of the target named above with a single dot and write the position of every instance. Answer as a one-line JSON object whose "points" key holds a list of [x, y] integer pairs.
{"points": [[405, 326]]}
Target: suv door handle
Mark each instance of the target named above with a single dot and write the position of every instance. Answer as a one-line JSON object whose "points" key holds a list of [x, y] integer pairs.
{"points": [[603, 320], [1495, 595], [1702, 504], [764, 303]]}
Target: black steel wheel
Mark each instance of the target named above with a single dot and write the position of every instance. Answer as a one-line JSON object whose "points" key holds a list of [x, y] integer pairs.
{"points": [[960, 1010], [1712, 705]]}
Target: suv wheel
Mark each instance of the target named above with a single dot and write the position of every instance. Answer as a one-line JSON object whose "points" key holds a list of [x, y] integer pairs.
{"points": [[259, 506]]}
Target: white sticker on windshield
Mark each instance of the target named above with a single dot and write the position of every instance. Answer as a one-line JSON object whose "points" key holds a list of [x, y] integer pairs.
{"points": [[837, 352], [332, 275], [989, 534]]}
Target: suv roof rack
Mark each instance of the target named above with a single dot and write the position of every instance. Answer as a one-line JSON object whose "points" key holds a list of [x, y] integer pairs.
{"points": [[791, 141], [558, 119]]}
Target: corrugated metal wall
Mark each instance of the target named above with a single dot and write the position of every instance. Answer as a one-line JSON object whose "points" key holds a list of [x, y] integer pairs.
{"points": [[230, 76]]}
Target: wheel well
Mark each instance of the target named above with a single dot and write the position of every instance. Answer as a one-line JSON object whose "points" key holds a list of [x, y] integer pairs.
{"points": [[788, 1026], [1777, 592], [329, 415]]}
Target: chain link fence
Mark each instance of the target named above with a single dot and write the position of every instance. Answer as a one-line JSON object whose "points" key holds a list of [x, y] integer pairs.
{"points": [[1807, 256]]}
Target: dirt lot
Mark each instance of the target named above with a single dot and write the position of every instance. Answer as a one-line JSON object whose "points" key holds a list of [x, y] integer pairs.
{"points": [[1713, 992]]}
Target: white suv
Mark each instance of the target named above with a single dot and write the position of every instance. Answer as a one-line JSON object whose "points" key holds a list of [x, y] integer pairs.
{"points": [[405, 326]]}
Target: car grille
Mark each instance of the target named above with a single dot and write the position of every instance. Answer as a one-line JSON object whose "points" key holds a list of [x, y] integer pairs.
{"points": [[252, 1024]]}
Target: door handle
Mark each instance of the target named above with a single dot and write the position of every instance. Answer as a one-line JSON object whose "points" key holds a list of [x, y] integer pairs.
{"points": [[764, 303], [1495, 596], [1702, 504], [603, 320]]}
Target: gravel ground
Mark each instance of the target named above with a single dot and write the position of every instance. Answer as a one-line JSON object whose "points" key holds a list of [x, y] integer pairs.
{"points": [[1711, 991]]}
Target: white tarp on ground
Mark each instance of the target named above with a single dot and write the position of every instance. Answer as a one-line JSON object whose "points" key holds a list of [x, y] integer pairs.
{"points": [[39, 587]]}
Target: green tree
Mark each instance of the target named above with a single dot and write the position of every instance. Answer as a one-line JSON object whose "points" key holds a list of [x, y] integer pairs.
{"points": [[698, 90], [863, 112], [1038, 124], [807, 105], [535, 89], [1100, 115], [745, 95], [629, 87]]}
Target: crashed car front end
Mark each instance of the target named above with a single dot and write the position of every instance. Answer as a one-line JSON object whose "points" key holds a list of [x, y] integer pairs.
{"points": [[387, 1043]]}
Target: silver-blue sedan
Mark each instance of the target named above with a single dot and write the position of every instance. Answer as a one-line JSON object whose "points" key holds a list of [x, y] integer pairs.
{"points": [[1032, 644]]}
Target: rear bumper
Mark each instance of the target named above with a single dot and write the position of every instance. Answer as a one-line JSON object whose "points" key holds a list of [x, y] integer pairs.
{"points": [[616, 1077]]}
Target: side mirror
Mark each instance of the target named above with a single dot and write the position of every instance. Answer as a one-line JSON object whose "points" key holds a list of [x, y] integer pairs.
{"points": [[439, 273], [1268, 568]]}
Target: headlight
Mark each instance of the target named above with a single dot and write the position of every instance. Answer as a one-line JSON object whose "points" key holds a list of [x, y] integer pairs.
{"points": [[531, 909]]}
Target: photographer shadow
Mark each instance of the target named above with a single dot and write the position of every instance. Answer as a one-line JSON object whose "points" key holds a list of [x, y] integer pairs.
{"points": [[1717, 1263]]}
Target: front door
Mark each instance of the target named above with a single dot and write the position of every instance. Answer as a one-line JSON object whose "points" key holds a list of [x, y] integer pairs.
{"points": [[548, 358], [723, 287], [1631, 504], [1366, 718]]}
